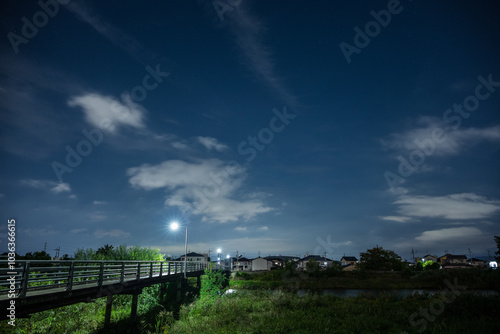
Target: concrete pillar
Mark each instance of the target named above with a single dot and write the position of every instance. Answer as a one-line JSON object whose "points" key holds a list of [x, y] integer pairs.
{"points": [[179, 289], [107, 315], [133, 311], [162, 292]]}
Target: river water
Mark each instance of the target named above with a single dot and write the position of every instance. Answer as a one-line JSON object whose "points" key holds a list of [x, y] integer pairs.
{"points": [[400, 293]]}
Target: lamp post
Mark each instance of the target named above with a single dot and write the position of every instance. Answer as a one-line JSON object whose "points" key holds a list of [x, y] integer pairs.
{"points": [[174, 226], [218, 255], [228, 261]]}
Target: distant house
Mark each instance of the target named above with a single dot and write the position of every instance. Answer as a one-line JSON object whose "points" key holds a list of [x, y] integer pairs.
{"points": [[242, 264], [280, 260], [477, 263], [429, 257], [195, 257], [260, 263], [450, 261], [346, 260], [322, 261], [348, 263]]}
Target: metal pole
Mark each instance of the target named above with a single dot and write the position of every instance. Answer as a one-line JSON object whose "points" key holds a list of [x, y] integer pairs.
{"points": [[185, 253]]}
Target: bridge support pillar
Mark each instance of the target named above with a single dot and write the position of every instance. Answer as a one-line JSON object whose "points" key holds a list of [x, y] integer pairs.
{"points": [[133, 311], [162, 292], [179, 289], [107, 315]]}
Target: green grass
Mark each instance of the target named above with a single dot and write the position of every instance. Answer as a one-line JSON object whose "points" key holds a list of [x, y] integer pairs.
{"points": [[260, 312], [473, 279]]}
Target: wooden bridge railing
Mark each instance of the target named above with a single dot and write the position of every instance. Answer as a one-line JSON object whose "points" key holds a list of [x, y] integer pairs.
{"points": [[35, 275]]}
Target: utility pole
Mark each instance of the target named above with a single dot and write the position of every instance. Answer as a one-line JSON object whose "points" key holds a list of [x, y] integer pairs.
{"points": [[470, 253], [57, 251], [45, 246]]}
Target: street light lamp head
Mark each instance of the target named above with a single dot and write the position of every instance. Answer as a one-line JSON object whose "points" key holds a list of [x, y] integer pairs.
{"points": [[174, 226], [219, 250], [227, 256]]}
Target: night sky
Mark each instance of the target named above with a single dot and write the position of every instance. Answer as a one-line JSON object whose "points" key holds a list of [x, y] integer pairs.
{"points": [[265, 127]]}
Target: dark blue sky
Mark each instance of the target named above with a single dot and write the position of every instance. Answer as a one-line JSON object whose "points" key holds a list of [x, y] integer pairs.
{"points": [[279, 127]]}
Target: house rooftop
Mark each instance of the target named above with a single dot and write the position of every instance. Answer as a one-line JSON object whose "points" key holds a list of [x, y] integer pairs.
{"points": [[315, 257], [349, 258], [193, 254]]}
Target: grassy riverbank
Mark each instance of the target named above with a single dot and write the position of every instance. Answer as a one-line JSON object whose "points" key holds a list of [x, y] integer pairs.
{"points": [[473, 279], [260, 312]]}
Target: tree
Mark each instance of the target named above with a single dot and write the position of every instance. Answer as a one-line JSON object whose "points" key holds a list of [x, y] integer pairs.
{"points": [[105, 250], [378, 258], [212, 283], [312, 266], [41, 255], [431, 265], [120, 253]]}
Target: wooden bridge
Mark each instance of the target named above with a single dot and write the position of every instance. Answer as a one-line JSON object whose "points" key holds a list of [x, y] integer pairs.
{"points": [[39, 285]]}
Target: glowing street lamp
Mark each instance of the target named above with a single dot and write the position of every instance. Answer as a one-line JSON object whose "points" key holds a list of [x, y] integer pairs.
{"points": [[218, 255], [174, 226]]}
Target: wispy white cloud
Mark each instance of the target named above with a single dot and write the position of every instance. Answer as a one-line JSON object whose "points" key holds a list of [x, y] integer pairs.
{"points": [[249, 31], [118, 37], [109, 114], [212, 144], [399, 219], [111, 234], [454, 206], [450, 142], [55, 187], [99, 202], [447, 234], [181, 145], [240, 228], [263, 228], [205, 187]]}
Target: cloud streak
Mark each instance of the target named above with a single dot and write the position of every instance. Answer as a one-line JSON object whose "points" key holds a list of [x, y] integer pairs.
{"points": [[190, 184], [451, 143], [212, 144], [454, 206], [55, 187], [248, 30], [449, 234]]}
